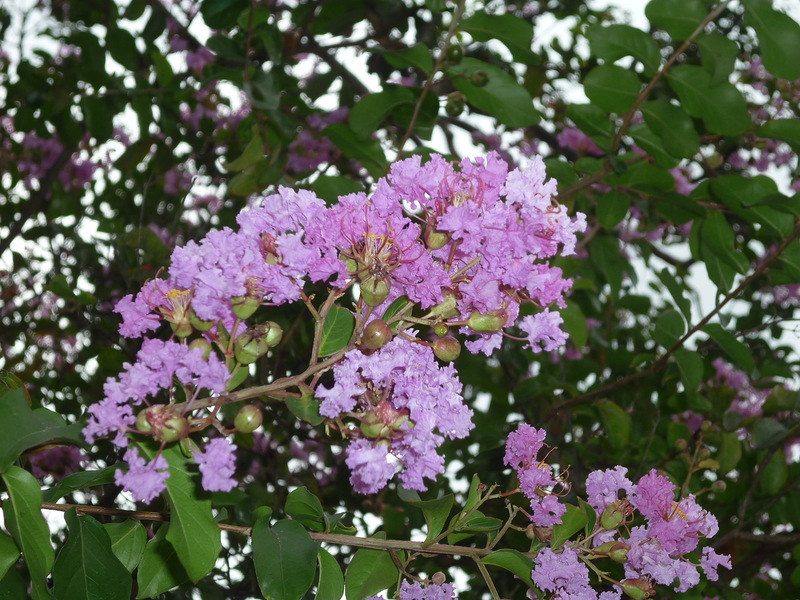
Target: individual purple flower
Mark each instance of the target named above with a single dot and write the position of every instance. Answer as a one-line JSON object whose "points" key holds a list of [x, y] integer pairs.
{"points": [[370, 465], [575, 139], [653, 495], [523, 445], [58, 462], [548, 512], [603, 487], [217, 463], [544, 331], [562, 573], [144, 480], [429, 591], [711, 561]]}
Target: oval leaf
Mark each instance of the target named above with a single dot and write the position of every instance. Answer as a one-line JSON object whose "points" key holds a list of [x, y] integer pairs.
{"points": [[336, 330], [285, 559]]}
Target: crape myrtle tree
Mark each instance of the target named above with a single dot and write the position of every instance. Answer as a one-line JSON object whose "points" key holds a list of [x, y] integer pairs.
{"points": [[382, 298]]}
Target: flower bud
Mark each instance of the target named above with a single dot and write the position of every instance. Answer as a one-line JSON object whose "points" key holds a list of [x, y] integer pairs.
{"points": [[440, 329], [376, 334], [175, 428], [182, 328], [438, 578], [375, 291], [199, 324], [719, 486], [142, 424], [619, 552], [447, 348], [455, 104], [487, 322], [249, 348], [614, 515], [244, 306], [372, 426], [455, 53], [203, 344], [164, 422], [271, 332], [446, 308], [435, 239], [704, 453], [638, 589], [706, 425], [248, 419], [479, 78], [681, 445]]}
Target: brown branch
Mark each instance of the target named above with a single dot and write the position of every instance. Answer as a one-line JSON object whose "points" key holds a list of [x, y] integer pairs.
{"points": [[661, 362]]}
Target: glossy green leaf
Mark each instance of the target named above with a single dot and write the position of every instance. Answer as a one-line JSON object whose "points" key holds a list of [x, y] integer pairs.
{"points": [[395, 102], [778, 38], [305, 407], [160, 568], [336, 330], [23, 519], [744, 196], [673, 126], [718, 54], [369, 572], [617, 424], [617, 41], [193, 532], [612, 88], [285, 559], [502, 96], [775, 474], [786, 130], [612, 208], [9, 554], [575, 324], [477, 522], [121, 46], [80, 480], [86, 567], [436, 513], [305, 507], [22, 427], [330, 187], [721, 106], [13, 586], [394, 308], [736, 350], [648, 141], [251, 155], [679, 18], [767, 432], [676, 290], [669, 328], [571, 523], [128, 540], [514, 33], [730, 452], [512, 560], [331, 579], [717, 239], [418, 56]]}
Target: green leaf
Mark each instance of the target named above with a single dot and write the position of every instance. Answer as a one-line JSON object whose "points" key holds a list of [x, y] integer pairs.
{"points": [[673, 126], [512, 560], [718, 54], [13, 586], [473, 494], [436, 513], [718, 239], [285, 559], [80, 481], [160, 568], [336, 330], [575, 324], [690, 366], [9, 554], [22, 428], [397, 102], [730, 452], [767, 432], [86, 567], [617, 424], [122, 48], [417, 56], [305, 407], [745, 195], [501, 97], [778, 38], [24, 521], [648, 141], [571, 523], [368, 152], [775, 474], [252, 154], [99, 119], [721, 106], [193, 532], [369, 572], [477, 522], [617, 41], [128, 540], [612, 88], [612, 208], [330, 187], [679, 18], [394, 308], [331, 579], [736, 350], [594, 122], [676, 290], [669, 328], [305, 507], [514, 33]]}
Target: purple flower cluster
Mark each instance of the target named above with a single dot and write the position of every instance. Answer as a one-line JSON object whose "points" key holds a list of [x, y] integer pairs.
{"points": [[310, 149], [749, 400], [406, 405], [418, 591], [536, 479]]}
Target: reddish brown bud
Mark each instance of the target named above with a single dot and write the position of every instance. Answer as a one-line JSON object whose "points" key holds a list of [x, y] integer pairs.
{"points": [[376, 334], [447, 348]]}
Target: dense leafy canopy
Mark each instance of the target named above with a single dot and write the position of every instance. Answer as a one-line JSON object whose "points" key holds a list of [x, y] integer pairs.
{"points": [[131, 128]]}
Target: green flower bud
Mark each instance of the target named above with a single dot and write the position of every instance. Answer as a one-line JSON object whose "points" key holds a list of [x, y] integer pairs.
{"points": [[271, 332], [375, 291], [203, 344], [376, 334], [704, 453], [199, 324], [719, 486], [164, 422], [182, 329], [446, 309], [245, 306], [440, 329], [619, 552], [455, 104], [614, 515], [638, 589], [479, 78], [142, 424], [455, 53], [372, 426], [248, 419], [447, 348], [175, 428], [248, 348], [487, 322], [681, 445], [435, 239]]}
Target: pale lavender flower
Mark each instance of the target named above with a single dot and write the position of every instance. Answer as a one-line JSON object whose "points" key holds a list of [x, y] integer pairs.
{"points": [[144, 480], [217, 464]]}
